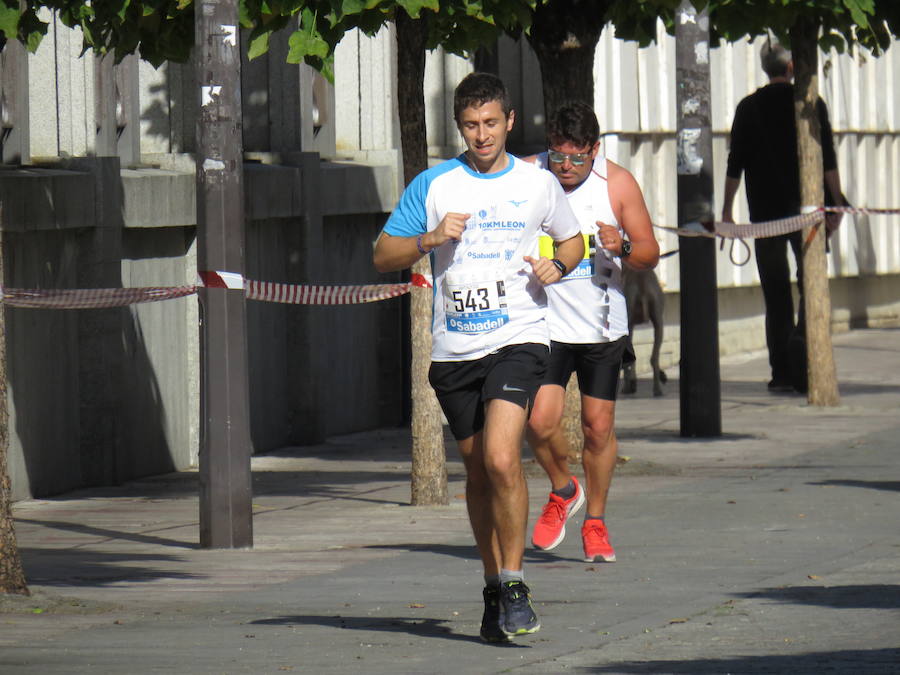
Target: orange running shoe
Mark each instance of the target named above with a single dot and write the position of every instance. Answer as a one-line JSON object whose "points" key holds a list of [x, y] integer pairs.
{"points": [[550, 528], [596, 542]]}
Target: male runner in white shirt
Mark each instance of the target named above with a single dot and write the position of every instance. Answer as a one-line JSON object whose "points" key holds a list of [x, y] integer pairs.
{"points": [[479, 216], [588, 326]]}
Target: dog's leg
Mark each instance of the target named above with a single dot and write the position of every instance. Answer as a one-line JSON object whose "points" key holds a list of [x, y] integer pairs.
{"points": [[658, 375], [656, 307], [629, 378]]}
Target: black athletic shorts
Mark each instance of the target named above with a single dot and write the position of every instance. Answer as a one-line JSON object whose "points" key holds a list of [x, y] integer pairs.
{"points": [[597, 364], [512, 373]]}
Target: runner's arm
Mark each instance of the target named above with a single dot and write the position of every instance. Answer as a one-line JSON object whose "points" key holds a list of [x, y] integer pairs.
{"points": [[632, 214], [394, 253], [569, 252]]}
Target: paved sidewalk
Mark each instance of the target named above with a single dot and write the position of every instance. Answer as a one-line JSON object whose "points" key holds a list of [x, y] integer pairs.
{"points": [[773, 549]]}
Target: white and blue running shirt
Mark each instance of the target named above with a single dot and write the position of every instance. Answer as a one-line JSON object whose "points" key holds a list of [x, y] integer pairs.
{"points": [[485, 295], [588, 305]]}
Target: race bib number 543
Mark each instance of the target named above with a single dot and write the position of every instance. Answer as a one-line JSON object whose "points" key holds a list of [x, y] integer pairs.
{"points": [[475, 306]]}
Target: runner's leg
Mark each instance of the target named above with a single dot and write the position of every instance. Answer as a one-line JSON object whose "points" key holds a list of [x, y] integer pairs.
{"points": [[600, 450], [546, 437], [479, 502], [503, 428]]}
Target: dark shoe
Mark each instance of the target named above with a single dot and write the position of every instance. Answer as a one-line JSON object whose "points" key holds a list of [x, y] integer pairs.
{"points": [[490, 621], [780, 386], [517, 616]]}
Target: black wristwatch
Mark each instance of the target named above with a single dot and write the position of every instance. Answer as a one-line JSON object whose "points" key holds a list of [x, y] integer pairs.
{"points": [[560, 265], [626, 249]]}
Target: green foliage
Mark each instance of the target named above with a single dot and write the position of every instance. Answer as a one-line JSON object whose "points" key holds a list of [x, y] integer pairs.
{"points": [[9, 19], [459, 26], [161, 30], [868, 23], [21, 23], [637, 20]]}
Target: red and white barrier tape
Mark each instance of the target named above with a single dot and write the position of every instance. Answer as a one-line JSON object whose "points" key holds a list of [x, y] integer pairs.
{"points": [[220, 280], [738, 233], [769, 228], [295, 294], [772, 228], [862, 210], [298, 294], [91, 298]]}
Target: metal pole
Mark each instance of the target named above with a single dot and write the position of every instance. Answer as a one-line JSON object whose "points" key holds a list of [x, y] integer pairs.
{"points": [[700, 387], [225, 448]]}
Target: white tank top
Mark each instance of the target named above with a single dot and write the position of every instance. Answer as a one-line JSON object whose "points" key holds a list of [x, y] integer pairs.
{"points": [[588, 305]]}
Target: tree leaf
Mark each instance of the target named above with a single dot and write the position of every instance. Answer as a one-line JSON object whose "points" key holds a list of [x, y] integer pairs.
{"points": [[9, 20], [303, 44], [858, 11], [259, 44], [414, 7]]}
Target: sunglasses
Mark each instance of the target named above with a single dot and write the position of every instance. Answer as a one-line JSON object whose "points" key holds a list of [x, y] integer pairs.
{"points": [[577, 158]]}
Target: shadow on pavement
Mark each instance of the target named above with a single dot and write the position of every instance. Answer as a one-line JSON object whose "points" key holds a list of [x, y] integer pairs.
{"points": [[893, 486], [871, 662], [338, 484], [874, 596], [72, 568], [653, 435], [466, 552], [553, 559], [419, 626], [326, 484], [105, 533], [748, 389]]}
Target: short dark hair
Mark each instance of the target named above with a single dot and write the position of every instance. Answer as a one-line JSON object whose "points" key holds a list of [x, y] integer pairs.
{"points": [[476, 89], [774, 59], [575, 122]]}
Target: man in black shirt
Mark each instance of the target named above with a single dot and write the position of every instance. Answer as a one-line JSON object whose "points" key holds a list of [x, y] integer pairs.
{"points": [[764, 145]]}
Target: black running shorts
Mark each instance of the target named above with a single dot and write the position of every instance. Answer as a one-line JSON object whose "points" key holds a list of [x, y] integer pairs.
{"points": [[512, 373], [597, 364]]}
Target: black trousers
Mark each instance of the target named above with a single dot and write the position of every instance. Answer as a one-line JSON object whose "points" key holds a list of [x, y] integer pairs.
{"points": [[785, 337]]}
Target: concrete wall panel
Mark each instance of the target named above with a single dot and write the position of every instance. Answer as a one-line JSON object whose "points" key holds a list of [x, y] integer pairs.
{"points": [[121, 385]]}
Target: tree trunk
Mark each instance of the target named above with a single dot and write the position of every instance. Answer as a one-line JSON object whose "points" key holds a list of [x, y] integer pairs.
{"points": [[12, 576], [571, 421], [823, 390], [564, 36], [429, 469]]}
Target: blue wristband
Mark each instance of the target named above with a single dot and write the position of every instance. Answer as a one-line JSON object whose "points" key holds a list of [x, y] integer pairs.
{"points": [[419, 245]]}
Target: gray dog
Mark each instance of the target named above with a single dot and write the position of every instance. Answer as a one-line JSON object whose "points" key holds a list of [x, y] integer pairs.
{"points": [[646, 301]]}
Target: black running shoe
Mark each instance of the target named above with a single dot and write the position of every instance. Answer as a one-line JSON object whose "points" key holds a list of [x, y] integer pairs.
{"points": [[490, 621], [517, 616]]}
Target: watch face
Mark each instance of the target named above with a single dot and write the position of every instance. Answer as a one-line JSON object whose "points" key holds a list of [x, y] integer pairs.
{"points": [[626, 248]]}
